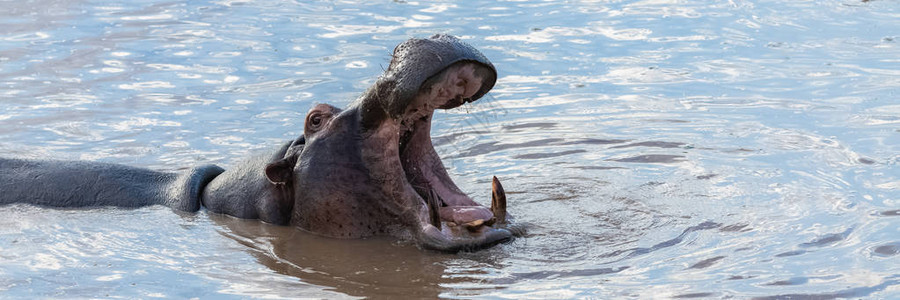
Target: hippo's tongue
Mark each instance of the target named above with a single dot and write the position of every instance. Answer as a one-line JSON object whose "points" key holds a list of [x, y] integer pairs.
{"points": [[473, 213], [465, 214], [471, 217]]}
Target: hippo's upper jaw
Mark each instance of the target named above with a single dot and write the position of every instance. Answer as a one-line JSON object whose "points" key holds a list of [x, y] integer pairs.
{"points": [[372, 169]]}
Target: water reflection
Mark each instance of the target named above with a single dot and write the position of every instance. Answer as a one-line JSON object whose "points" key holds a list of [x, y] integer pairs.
{"points": [[374, 267]]}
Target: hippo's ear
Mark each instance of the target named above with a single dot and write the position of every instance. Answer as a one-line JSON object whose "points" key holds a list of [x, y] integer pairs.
{"points": [[281, 171]]}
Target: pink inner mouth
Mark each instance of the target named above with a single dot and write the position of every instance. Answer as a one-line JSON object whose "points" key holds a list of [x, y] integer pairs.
{"points": [[423, 167]]}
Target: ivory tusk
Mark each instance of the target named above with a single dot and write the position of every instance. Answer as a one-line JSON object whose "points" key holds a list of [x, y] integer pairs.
{"points": [[498, 200]]}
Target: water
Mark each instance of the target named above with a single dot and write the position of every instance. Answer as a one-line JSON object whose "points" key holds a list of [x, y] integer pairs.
{"points": [[665, 149]]}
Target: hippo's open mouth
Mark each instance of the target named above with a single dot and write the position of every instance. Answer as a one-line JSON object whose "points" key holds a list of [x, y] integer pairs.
{"points": [[450, 218]]}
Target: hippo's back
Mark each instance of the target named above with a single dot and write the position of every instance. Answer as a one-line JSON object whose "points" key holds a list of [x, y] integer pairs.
{"points": [[89, 184]]}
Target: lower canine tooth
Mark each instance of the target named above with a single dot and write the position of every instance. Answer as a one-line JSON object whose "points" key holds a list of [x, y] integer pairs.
{"points": [[434, 215], [498, 200]]}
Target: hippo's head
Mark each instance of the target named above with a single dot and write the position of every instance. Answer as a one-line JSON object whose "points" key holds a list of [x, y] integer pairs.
{"points": [[372, 170]]}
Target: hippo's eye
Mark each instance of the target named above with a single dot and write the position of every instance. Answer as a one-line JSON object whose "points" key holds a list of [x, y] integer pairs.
{"points": [[316, 120]]}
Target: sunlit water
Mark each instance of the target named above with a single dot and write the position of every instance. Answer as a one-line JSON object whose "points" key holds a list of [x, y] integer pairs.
{"points": [[687, 149]]}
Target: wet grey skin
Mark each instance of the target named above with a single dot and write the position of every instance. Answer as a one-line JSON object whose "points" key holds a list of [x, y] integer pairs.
{"points": [[366, 170]]}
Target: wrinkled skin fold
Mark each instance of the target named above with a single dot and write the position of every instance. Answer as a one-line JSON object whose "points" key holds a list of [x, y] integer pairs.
{"points": [[369, 169]]}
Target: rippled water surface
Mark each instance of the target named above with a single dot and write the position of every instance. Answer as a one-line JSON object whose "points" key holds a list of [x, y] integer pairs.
{"points": [[667, 149]]}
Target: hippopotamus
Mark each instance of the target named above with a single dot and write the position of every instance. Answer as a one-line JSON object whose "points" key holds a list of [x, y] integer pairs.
{"points": [[369, 169]]}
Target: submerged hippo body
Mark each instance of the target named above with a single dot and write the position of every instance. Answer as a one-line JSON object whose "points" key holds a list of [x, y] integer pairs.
{"points": [[367, 170]]}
